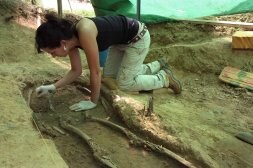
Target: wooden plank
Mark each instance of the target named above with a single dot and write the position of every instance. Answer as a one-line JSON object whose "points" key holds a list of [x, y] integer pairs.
{"points": [[242, 40], [237, 77], [221, 23]]}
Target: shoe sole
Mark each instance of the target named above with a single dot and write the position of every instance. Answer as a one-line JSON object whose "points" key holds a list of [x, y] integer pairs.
{"points": [[168, 71]]}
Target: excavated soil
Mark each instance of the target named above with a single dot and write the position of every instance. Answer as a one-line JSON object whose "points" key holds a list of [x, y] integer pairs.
{"points": [[199, 125]]}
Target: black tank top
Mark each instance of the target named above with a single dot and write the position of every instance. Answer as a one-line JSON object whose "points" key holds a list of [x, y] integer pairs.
{"points": [[114, 30]]}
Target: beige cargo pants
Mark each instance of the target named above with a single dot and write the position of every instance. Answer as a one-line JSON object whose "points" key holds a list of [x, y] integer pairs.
{"points": [[125, 64]]}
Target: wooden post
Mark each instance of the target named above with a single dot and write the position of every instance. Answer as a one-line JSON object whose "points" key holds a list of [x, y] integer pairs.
{"points": [[150, 106], [59, 3]]}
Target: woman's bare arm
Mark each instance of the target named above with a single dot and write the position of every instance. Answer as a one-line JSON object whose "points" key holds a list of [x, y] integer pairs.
{"points": [[87, 32], [75, 71]]}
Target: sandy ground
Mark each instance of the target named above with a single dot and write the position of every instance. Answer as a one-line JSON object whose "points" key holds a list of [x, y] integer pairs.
{"points": [[200, 124]]}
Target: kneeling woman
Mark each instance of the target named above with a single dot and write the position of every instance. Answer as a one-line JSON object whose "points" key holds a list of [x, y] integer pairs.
{"points": [[129, 42]]}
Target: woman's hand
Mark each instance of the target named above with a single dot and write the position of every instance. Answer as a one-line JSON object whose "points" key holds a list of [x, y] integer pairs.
{"points": [[45, 89], [83, 105]]}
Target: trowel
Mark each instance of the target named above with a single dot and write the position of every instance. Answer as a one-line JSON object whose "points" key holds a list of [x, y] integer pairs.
{"points": [[50, 102], [246, 137]]}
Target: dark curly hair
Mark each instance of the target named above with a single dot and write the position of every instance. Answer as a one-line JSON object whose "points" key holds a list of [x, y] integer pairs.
{"points": [[50, 33]]}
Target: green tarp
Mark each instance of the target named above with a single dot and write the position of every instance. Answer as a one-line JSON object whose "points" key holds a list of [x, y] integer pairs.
{"points": [[153, 11]]}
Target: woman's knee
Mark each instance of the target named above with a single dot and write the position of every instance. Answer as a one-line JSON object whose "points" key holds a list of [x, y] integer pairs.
{"points": [[125, 86]]}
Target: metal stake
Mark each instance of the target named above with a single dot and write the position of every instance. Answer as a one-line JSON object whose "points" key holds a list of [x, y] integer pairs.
{"points": [[139, 10]]}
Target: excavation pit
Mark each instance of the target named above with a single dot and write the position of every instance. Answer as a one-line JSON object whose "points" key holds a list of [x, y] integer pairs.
{"points": [[113, 144]]}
